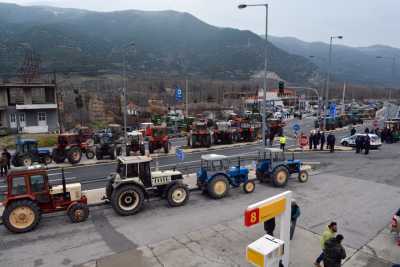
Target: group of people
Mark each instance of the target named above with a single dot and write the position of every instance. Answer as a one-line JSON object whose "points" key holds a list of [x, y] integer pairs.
{"points": [[5, 162], [332, 250], [318, 139]]}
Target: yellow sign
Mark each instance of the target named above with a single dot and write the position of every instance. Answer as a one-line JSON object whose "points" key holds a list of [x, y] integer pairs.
{"points": [[264, 212]]}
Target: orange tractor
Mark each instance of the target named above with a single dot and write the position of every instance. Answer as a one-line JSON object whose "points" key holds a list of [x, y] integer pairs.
{"points": [[29, 195]]}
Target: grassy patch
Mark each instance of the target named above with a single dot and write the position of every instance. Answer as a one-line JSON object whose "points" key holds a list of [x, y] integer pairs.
{"points": [[44, 140]]}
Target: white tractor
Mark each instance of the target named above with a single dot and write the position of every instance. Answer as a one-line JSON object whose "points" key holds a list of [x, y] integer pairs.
{"points": [[134, 182]]}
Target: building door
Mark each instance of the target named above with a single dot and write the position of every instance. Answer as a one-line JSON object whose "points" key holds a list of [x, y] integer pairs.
{"points": [[13, 120], [22, 120], [42, 118]]}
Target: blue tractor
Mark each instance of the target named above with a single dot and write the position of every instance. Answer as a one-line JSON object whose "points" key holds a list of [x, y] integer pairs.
{"points": [[272, 166], [27, 152], [217, 174]]}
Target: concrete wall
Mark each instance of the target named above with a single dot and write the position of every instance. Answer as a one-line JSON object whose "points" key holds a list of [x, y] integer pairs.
{"points": [[52, 118]]}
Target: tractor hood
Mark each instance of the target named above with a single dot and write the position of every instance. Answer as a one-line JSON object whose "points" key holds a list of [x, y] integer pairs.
{"points": [[44, 151], [165, 173]]}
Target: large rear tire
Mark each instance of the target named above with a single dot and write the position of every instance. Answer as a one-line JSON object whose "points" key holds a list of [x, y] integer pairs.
{"points": [[127, 200], [166, 147], [280, 177], [151, 149], [142, 150], [218, 187], [78, 212], [74, 155], [21, 216], [177, 195]]}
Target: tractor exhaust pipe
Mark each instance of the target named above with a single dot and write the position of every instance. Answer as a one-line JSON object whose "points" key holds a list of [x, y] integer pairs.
{"points": [[64, 184]]}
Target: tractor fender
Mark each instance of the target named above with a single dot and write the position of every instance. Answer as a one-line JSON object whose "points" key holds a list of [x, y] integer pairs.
{"points": [[219, 174], [146, 195], [7, 202], [280, 165]]}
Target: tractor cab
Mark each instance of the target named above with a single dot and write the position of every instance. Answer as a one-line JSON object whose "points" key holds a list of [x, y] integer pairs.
{"points": [[135, 143], [135, 168], [273, 165]]}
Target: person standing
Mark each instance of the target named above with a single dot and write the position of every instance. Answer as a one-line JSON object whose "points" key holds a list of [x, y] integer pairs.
{"points": [[323, 140], [353, 131], [317, 140], [334, 252], [295, 214], [367, 144], [331, 140], [359, 141], [311, 140], [8, 158], [329, 233], [366, 130], [269, 226], [282, 142], [3, 165]]}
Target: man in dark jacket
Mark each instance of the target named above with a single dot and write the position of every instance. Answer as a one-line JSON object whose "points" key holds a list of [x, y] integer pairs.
{"points": [[269, 226], [367, 144], [353, 131], [295, 214], [317, 139], [331, 140], [334, 252], [8, 157], [311, 140], [323, 140]]}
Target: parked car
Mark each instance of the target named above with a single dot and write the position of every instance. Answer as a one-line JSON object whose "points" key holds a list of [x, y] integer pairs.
{"points": [[375, 141]]}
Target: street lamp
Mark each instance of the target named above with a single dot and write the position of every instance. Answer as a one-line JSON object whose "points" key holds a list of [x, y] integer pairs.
{"points": [[328, 77], [126, 47], [263, 103]]}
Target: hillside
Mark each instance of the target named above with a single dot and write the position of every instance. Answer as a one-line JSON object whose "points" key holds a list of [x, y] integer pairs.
{"points": [[167, 43], [352, 64]]}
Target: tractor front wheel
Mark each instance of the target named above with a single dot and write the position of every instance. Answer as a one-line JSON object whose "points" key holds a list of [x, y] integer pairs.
{"points": [[127, 200], [58, 156], [280, 177], [78, 212], [249, 186], [47, 160], [303, 176], [218, 187], [26, 161], [74, 155], [177, 195], [90, 153], [21, 216]]}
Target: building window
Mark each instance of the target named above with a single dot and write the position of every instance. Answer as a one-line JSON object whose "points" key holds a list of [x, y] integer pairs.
{"points": [[42, 116], [13, 118]]}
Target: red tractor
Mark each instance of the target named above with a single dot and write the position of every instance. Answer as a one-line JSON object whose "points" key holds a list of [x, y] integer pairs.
{"points": [[159, 139], [72, 145], [200, 135], [29, 195], [245, 131]]}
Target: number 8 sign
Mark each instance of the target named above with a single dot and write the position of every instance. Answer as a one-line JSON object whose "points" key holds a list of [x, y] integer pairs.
{"points": [[252, 217]]}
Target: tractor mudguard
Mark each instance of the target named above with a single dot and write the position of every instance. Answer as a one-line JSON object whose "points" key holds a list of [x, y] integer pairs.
{"points": [[281, 165], [44, 152], [209, 179]]}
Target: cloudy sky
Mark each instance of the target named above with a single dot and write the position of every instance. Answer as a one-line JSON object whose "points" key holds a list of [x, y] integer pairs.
{"points": [[361, 22]]}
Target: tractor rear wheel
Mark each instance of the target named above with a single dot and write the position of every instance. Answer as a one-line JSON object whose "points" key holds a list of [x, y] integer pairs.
{"points": [[303, 176], [127, 200], [78, 212], [249, 186], [58, 156], [218, 187], [177, 195], [280, 177], [151, 149], [74, 155], [21, 216], [262, 177], [112, 151]]}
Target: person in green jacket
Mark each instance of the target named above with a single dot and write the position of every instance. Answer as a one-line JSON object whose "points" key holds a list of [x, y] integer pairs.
{"points": [[329, 233]]}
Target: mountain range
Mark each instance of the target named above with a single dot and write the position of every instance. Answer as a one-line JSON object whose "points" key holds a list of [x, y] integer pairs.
{"points": [[166, 43], [175, 44], [359, 65]]}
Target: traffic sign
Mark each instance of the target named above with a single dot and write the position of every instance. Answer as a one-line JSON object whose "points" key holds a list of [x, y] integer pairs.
{"points": [[264, 212], [180, 155], [296, 127], [178, 93]]}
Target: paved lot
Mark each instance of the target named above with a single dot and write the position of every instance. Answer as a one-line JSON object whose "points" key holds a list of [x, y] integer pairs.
{"points": [[360, 200]]}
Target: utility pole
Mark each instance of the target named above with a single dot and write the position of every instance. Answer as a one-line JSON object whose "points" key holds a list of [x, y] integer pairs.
{"points": [[187, 98], [343, 95]]}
